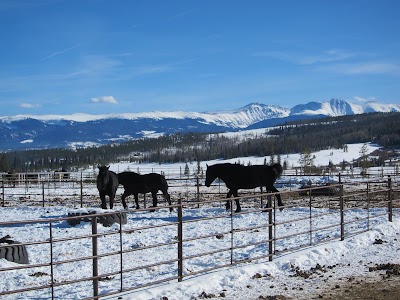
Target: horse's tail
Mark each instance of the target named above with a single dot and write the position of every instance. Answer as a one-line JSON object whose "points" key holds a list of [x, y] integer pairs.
{"points": [[278, 170]]}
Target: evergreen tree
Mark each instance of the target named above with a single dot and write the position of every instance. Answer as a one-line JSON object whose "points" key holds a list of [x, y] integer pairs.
{"points": [[187, 171], [364, 159], [4, 164], [306, 161]]}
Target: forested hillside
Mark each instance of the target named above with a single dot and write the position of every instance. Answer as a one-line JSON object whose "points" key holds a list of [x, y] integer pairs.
{"points": [[381, 128]]}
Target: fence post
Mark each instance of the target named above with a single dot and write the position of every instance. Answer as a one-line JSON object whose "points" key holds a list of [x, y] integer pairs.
{"points": [[198, 190], [368, 205], [42, 193], [341, 209], [390, 204], [2, 187], [310, 211], [95, 259], [180, 240], [81, 189], [231, 231], [121, 265], [51, 261], [270, 229]]}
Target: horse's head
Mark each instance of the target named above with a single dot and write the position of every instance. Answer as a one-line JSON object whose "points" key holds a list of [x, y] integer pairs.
{"points": [[210, 175], [103, 178], [277, 170]]}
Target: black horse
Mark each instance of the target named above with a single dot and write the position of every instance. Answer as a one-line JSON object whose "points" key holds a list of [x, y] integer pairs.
{"points": [[244, 177], [135, 183], [107, 184]]}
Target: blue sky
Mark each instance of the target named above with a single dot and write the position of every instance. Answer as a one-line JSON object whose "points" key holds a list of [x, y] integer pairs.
{"points": [[110, 56]]}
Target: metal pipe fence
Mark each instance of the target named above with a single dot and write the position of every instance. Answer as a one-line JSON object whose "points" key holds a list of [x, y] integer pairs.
{"points": [[134, 265], [79, 188]]}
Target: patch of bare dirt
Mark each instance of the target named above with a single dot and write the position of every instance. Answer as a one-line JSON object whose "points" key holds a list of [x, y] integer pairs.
{"points": [[385, 289], [383, 285]]}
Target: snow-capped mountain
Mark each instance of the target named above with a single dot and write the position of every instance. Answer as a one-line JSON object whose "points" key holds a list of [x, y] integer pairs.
{"points": [[334, 107], [80, 130]]}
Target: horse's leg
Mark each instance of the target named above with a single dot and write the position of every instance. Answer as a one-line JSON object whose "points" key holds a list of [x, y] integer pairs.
{"points": [[103, 201], [168, 198], [238, 208], [124, 195], [136, 200], [154, 195], [278, 196], [228, 203], [112, 195]]}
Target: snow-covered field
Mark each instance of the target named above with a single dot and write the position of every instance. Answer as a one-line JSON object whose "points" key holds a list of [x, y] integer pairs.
{"points": [[321, 158], [337, 259], [231, 281]]}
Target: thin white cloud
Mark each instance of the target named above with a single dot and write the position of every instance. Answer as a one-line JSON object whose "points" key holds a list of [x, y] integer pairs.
{"points": [[161, 68], [362, 99], [364, 68], [180, 14], [97, 65], [59, 52], [104, 99], [155, 69], [330, 55], [28, 105]]}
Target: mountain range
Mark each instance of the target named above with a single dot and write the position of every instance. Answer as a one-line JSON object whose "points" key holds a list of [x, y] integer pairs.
{"points": [[22, 132]]}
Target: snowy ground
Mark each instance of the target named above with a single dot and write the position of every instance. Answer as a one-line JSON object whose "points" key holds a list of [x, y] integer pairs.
{"points": [[299, 274], [340, 262], [338, 259]]}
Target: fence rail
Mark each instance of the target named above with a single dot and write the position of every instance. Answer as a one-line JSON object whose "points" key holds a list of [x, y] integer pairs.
{"points": [[75, 189], [270, 238]]}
